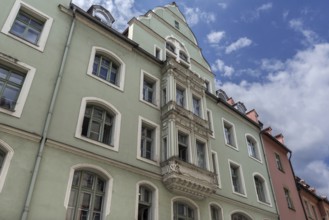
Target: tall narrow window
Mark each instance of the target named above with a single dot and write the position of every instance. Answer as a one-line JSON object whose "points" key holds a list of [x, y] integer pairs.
{"points": [[148, 90], [288, 198], [314, 213], [87, 196], [229, 134], [158, 53], [196, 106], [214, 167], [164, 149], [180, 97], [215, 212], [260, 189], [11, 82], [145, 203], [170, 47], [307, 208], [183, 147], [252, 148], [106, 69], [183, 211], [278, 162], [201, 154], [98, 124], [147, 142], [237, 179], [210, 123], [176, 24], [27, 27]]}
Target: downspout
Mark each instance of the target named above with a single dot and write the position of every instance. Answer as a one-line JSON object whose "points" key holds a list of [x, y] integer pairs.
{"points": [[269, 176], [300, 198], [47, 123]]}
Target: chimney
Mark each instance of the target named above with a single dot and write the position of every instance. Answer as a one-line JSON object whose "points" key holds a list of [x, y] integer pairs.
{"points": [[280, 138], [268, 130], [253, 115], [230, 101]]}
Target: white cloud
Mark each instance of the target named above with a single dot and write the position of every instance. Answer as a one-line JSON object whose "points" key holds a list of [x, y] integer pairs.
{"points": [[215, 37], [294, 100], [271, 65], [121, 10], [253, 15], [222, 5], [310, 37], [194, 15], [221, 67], [240, 43], [264, 7]]}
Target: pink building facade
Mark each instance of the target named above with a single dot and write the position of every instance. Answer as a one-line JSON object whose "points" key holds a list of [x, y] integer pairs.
{"points": [[283, 179]]}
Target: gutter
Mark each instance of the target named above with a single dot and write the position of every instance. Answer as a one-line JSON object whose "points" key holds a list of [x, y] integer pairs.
{"points": [[35, 173]]}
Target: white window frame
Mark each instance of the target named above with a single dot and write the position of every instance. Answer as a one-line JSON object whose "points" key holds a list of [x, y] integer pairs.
{"points": [[186, 201], [258, 158], [107, 53], [288, 197], [156, 96], [155, 198], [181, 87], [29, 75], [197, 97], [206, 155], [280, 162], [241, 213], [232, 128], [33, 12], [241, 177], [219, 184], [6, 163], [189, 144], [266, 190], [98, 170], [218, 207], [116, 127], [160, 52], [156, 141], [210, 118]]}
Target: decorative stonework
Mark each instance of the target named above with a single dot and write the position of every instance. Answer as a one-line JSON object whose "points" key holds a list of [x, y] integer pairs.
{"points": [[187, 179]]}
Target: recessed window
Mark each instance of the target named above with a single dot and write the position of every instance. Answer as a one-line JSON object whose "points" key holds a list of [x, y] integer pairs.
{"points": [[261, 189], [106, 69], [28, 25], [180, 96], [147, 142], [157, 52], [207, 85], [196, 106], [183, 147], [183, 211], [229, 134], [183, 56], [278, 162], [170, 47], [252, 148], [87, 196], [145, 203], [150, 91], [240, 216], [210, 123], [215, 169], [177, 24], [164, 96], [215, 212], [201, 154], [237, 179], [164, 148], [288, 198]]}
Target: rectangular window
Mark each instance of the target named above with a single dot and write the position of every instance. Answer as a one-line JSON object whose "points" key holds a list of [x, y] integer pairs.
{"points": [[215, 166], [278, 162], [206, 83], [147, 139], [307, 208], [210, 123], [177, 24], [288, 198], [196, 106], [164, 96], [201, 154], [158, 53], [2, 158], [183, 147], [314, 213], [150, 90], [229, 134], [180, 97], [236, 177], [164, 148]]}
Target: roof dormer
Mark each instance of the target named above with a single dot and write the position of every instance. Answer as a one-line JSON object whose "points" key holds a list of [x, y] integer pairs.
{"points": [[101, 14]]}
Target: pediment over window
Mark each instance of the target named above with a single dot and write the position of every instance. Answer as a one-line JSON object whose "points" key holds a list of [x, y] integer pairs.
{"points": [[101, 14]]}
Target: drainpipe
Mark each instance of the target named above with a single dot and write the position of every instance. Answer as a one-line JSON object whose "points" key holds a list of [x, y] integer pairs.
{"points": [[269, 176], [47, 123], [293, 173]]}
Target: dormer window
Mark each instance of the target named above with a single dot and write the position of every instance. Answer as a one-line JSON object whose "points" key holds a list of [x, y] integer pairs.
{"points": [[170, 47], [240, 107], [101, 14], [183, 56], [177, 50]]}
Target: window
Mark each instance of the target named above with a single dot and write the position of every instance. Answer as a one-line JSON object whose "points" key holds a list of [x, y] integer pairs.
{"points": [[177, 50], [106, 69], [180, 96], [260, 189], [314, 213], [215, 212], [229, 134], [183, 56], [98, 124], [210, 123], [164, 148], [237, 178], [196, 106], [15, 82], [164, 96], [177, 24], [201, 154], [252, 148], [278, 162], [6, 154], [207, 85], [170, 47], [148, 141], [307, 208], [11, 82], [87, 196], [288, 198], [28, 25], [2, 158], [145, 203], [183, 147], [183, 211], [150, 91], [157, 52], [215, 169], [240, 216]]}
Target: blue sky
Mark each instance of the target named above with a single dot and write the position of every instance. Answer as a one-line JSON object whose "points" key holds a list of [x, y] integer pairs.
{"points": [[271, 55]]}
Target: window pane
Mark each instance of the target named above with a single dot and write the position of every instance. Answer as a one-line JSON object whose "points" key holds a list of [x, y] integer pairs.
{"points": [[83, 215], [98, 203], [3, 73], [107, 134], [11, 93], [100, 185], [73, 198], [18, 28], [2, 158], [32, 36], [16, 78], [76, 178], [87, 180], [85, 201]]}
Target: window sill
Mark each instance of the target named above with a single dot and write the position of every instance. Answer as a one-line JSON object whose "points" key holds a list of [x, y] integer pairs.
{"points": [[265, 203], [150, 104], [35, 46], [153, 162], [109, 147], [233, 147], [120, 88], [256, 159], [240, 194]]}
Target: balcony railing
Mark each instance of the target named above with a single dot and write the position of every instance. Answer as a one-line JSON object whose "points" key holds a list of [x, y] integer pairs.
{"points": [[187, 179]]}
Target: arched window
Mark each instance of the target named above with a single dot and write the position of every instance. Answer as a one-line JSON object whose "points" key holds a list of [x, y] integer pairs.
{"points": [[147, 201], [170, 46], [215, 212], [240, 216], [183, 211], [87, 196], [98, 124], [261, 189], [252, 145], [6, 153], [177, 50], [106, 68]]}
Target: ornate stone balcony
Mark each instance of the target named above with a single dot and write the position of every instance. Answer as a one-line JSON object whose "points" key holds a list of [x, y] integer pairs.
{"points": [[187, 179]]}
